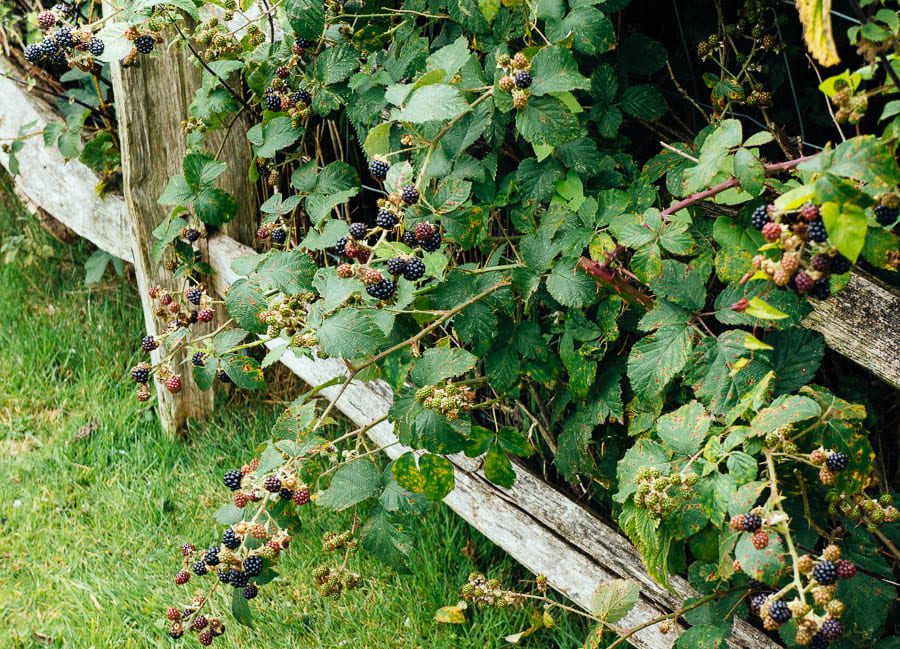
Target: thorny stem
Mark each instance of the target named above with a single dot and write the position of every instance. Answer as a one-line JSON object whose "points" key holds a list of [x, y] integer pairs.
{"points": [[784, 528]]}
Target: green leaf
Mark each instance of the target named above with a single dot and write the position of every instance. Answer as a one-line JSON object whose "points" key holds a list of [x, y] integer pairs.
{"points": [[215, 206], [452, 614], [201, 170], [783, 412], [817, 31], [95, 266], [762, 565], [643, 102], [381, 537], [437, 102], [277, 134], [438, 476], [570, 286], [796, 357], [546, 120], [498, 469], [439, 363], [307, 18], [244, 301], [378, 140], [703, 636], [406, 472], [244, 371], [351, 484], [641, 55], [591, 31], [228, 515], [685, 429], [846, 226], [176, 192], [749, 171], [656, 359], [240, 609], [613, 600], [350, 334], [554, 70]]}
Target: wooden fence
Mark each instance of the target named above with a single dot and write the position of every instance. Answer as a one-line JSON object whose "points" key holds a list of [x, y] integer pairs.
{"points": [[536, 524]]}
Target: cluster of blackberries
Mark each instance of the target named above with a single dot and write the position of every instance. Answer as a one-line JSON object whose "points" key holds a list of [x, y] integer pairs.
{"points": [[515, 77], [888, 209], [807, 260], [280, 97], [424, 236], [412, 268], [63, 44], [830, 462]]}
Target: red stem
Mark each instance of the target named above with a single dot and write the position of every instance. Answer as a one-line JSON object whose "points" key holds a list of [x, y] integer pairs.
{"points": [[616, 282]]}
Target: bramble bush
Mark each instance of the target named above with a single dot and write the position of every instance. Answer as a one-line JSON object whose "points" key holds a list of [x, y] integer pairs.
{"points": [[563, 234]]}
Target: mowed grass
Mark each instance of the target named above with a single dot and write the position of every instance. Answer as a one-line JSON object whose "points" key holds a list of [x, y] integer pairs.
{"points": [[92, 519]]}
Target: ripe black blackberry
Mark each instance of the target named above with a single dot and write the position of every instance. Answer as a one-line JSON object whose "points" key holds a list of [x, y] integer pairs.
{"points": [[340, 248], [825, 572], [48, 47], [779, 611], [198, 359], [837, 461], [222, 375], [272, 484], [232, 479], [358, 231], [840, 264], [886, 215], [191, 234], [752, 522], [231, 540], [415, 269], [816, 231], [200, 568], [250, 591], [64, 37], [756, 602], [285, 494], [278, 236], [176, 631], [821, 263], [211, 558], [32, 53], [409, 238], [523, 79], [144, 44], [302, 96], [304, 43], [822, 289], [760, 217], [433, 243], [272, 102], [378, 169], [831, 629], [385, 219], [224, 576], [96, 46], [253, 565], [237, 578], [140, 373], [149, 343], [396, 266], [193, 295], [409, 194], [382, 290]]}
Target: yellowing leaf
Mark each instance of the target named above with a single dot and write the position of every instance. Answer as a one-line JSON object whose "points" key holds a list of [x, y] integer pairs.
{"points": [[450, 615], [763, 310], [816, 18]]}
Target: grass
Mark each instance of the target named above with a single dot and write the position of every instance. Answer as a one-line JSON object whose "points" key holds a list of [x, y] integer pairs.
{"points": [[92, 516]]}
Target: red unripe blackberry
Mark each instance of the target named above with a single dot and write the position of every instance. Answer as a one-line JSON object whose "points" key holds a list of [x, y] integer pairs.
{"points": [[250, 591], [837, 461], [173, 384], [345, 271], [737, 522], [415, 269], [803, 282], [523, 79], [779, 611], [199, 623], [301, 495], [205, 638], [149, 343], [272, 484], [144, 44], [845, 569], [278, 236], [187, 549], [378, 169], [173, 614], [385, 219], [241, 499], [232, 479], [193, 294], [165, 299], [205, 315], [358, 231], [760, 540], [46, 19], [409, 194], [423, 231], [182, 577], [809, 212], [282, 72], [262, 233], [825, 572], [143, 392], [140, 373], [771, 231]]}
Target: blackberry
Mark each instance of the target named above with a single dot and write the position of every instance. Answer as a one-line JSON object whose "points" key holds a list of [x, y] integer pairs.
{"points": [[198, 359], [840, 264], [409, 239], [182, 577], [433, 243], [845, 569], [415, 269], [396, 266], [382, 290], [837, 461], [272, 102], [224, 576], [46, 19], [272, 484], [378, 169], [340, 247], [886, 215], [523, 79], [803, 282], [278, 236], [222, 375], [191, 234], [231, 540], [423, 231], [358, 231], [825, 572], [285, 494], [832, 629], [144, 44], [756, 602], [409, 194], [779, 611], [149, 343], [752, 522], [822, 289], [302, 96], [385, 219], [301, 495], [64, 37], [760, 217], [140, 373], [809, 212], [237, 578], [96, 46], [232, 479], [48, 47], [253, 565], [200, 622], [211, 558], [304, 43], [176, 631], [816, 231], [282, 72], [205, 638], [250, 591], [821, 263], [200, 568], [33, 53], [193, 295]]}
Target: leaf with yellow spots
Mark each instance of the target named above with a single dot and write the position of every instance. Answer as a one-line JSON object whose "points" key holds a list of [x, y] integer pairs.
{"points": [[816, 18]]}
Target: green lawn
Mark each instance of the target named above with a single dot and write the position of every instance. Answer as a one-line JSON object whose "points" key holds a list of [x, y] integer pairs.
{"points": [[92, 523]]}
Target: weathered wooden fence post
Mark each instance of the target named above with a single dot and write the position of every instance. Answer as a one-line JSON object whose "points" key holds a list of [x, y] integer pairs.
{"points": [[151, 101]]}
